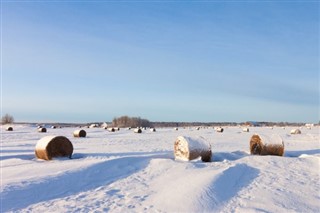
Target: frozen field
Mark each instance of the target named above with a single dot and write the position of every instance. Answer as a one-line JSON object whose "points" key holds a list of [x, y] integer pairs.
{"points": [[127, 172]]}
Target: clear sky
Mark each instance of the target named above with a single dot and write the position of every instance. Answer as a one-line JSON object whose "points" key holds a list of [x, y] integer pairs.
{"points": [[82, 61]]}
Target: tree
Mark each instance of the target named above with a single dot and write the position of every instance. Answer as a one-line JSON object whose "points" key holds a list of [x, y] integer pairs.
{"points": [[7, 119]]}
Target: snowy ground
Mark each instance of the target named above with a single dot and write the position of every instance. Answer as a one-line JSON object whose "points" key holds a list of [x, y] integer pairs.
{"points": [[127, 172]]}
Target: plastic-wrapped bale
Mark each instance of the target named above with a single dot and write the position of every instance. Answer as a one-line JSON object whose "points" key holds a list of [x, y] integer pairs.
{"points": [[295, 131], [9, 128], [263, 145], [79, 133], [137, 130], [187, 148], [42, 129], [53, 146]]}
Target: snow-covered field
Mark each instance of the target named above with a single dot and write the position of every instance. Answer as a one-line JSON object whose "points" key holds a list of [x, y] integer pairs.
{"points": [[127, 172]]}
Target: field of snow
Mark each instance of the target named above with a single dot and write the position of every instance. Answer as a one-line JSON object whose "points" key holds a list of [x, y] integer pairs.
{"points": [[127, 172]]}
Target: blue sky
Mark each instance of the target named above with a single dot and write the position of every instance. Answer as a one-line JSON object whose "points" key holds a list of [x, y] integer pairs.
{"points": [[82, 61]]}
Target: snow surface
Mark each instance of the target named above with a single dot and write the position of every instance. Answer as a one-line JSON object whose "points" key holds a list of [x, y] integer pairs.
{"points": [[126, 172]]}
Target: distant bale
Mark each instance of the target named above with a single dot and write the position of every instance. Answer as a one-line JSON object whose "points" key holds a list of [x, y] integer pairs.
{"points": [[295, 131], [187, 148], [246, 129], [53, 127], [138, 130], [79, 133], [53, 146], [198, 128], [152, 129], [219, 129], [111, 129], [9, 128], [261, 145], [176, 128], [42, 129]]}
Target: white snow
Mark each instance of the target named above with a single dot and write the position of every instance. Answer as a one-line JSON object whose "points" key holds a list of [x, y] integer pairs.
{"points": [[126, 172]]}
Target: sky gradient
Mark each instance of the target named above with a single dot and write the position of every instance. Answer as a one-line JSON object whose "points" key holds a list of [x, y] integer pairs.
{"points": [[82, 61]]}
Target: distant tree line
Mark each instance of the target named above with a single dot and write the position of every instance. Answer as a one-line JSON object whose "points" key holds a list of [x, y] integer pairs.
{"points": [[126, 121], [7, 119]]}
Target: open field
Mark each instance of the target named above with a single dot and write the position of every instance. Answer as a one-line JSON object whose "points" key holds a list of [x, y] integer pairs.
{"points": [[127, 172]]}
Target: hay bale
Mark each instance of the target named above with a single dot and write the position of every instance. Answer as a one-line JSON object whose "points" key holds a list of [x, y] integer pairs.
{"points": [[187, 148], [42, 129], [219, 129], [262, 145], [79, 133], [152, 129], [176, 128], [137, 130], [53, 146], [111, 129], [9, 128], [295, 131], [246, 129], [53, 127]]}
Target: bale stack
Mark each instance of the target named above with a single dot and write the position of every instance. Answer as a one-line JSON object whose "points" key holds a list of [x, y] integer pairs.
{"points": [[53, 146], [42, 129], [295, 131], [137, 130], [9, 128], [187, 148], [262, 145], [79, 133]]}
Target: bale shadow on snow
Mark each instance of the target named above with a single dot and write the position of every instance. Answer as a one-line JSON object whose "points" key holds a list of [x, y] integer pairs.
{"points": [[301, 152], [22, 157], [159, 154], [100, 174], [230, 183], [230, 156]]}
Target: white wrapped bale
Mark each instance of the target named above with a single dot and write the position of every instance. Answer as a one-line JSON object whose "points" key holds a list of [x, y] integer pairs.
{"points": [[187, 148], [53, 146], [79, 133], [265, 145], [295, 131]]}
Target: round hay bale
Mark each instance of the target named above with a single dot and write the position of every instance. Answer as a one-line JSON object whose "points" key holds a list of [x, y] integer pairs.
{"points": [[9, 128], [219, 129], [152, 129], [187, 148], [111, 129], [138, 130], [53, 146], [53, 127], [176, 128], [263, 145], [246, 129], [295, 131], [79, 133], [42, 129], [198, 128]]}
